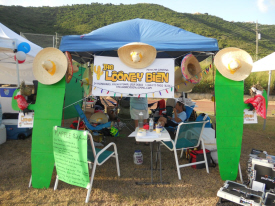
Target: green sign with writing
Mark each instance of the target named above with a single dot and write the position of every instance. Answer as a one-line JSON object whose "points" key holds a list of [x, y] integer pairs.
{"points": [[70, 155]]}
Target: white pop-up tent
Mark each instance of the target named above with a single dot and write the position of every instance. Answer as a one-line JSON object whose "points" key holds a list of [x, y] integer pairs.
{"points": [[265, 64], [9, 41]]}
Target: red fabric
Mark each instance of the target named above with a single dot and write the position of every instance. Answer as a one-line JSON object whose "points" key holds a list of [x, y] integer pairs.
{"points": [[161, 104], [21, 102], [258, 103], [99, 111], [74, 125]]}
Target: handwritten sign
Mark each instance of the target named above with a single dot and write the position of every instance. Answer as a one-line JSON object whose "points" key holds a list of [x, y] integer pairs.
{"points": [[112, 76], [70, 154], [249, 117], [25, 120]]}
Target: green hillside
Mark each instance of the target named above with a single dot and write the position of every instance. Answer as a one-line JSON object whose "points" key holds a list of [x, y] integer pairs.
{"points": [[84, 18]]}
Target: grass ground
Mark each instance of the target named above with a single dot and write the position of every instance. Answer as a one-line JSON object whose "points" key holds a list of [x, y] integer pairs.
{"points": [[196, 187]]}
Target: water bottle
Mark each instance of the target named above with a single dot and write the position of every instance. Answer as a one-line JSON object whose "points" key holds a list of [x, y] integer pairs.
{"points": [[138, 157], [151, 125], [140, 120]]}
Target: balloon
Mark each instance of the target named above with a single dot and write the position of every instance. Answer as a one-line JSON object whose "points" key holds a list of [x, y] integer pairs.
{"points": [[19, 62], [24, 47], [20, 56]]}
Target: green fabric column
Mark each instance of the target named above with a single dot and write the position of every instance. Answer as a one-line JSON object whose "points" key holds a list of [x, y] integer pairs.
{"points": [[229, 124], [48, 110], [74, 92]]}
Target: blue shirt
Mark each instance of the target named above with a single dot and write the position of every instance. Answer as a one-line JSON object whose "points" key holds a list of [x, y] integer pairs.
{"points": [[181, 115], [139, 103]]}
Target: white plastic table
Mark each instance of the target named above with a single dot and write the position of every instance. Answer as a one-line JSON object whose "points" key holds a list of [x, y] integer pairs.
{"points": [[153, 137]]}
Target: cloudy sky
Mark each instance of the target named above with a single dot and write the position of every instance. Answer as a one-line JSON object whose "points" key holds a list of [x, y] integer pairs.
{"points": [[262, 11]]}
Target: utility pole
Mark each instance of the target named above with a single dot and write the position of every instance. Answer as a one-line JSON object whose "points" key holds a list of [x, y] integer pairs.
{"points": [[257, 38], [56, 40]]}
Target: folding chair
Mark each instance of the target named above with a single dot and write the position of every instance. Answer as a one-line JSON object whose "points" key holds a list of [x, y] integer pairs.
{"points": [[188, 112], [97, 157], [87, 123], [189, 135]]}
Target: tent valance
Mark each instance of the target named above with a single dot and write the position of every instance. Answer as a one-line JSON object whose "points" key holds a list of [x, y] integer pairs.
{"points": [[172, 40]]}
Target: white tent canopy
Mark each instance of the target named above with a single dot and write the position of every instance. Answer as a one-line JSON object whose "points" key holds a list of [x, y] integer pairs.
{"points": [[9, 41], [265, 64]]}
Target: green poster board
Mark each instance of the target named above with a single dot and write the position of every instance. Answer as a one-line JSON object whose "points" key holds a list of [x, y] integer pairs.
{"points": [[229, 124], [74, 93], [70, 155], [47, 113]]}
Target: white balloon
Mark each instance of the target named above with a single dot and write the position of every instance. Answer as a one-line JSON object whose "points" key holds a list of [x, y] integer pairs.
{"points": [[21, 56]]}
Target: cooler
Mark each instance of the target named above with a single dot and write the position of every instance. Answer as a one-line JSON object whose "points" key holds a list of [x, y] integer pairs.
{"points": [[197, 156], [3, 134], [13, 132], [209, 137]]}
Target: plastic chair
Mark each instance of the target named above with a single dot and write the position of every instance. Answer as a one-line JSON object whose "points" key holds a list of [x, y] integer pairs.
{"points": [[189, 110], [189, 135], [96, 157]]}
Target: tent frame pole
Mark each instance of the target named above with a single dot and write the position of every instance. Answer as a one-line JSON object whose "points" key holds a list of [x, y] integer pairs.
{"points": [[212, 63], [268, 90], [17, 68]]}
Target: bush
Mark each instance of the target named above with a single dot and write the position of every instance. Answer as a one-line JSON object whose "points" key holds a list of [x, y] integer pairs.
{"points": [[207, 83]]}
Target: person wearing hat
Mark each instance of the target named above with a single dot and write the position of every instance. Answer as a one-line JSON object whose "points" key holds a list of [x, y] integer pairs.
{"points": [[138, 105], [178, 116]]}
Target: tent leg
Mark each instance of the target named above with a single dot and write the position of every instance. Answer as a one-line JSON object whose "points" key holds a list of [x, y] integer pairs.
{"points": [[268, 90], [17, 68]]}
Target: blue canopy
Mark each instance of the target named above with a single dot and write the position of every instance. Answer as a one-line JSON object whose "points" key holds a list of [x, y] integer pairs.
{"points": [[163, 37]]}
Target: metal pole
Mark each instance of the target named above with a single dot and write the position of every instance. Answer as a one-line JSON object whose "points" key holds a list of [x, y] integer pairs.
{"points": [[257, 40], [268, 90], [17, 68], [212, 63], [56, 39]]}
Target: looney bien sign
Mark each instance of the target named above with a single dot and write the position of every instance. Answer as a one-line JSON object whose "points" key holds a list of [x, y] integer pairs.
{"points": [[111, 76]]}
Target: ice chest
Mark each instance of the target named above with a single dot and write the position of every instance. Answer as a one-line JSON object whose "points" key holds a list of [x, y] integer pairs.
{"points": [[3, 134], [197, 156], [13, 132]]}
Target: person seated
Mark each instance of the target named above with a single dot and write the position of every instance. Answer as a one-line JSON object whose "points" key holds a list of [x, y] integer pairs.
{"points": [[178, 116]]}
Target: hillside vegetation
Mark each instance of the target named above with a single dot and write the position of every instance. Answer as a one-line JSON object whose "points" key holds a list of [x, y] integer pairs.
{"points": [[84, 18]]}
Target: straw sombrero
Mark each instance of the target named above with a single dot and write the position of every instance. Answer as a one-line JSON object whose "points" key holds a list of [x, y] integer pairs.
{"points": [[233, 63], [87, 81], [49, 66], [181, 84], [191, 69], [70, 71], [98, 118], [75, 69], [137, 55], [75, 66]]}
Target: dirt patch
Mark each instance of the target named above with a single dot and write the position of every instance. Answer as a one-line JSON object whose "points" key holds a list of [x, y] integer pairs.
{"points": [[196, 187], [208, 106]]}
